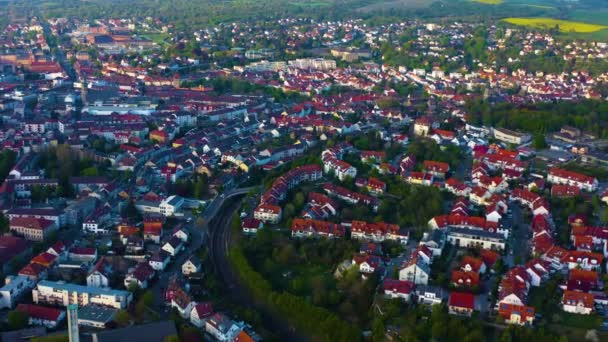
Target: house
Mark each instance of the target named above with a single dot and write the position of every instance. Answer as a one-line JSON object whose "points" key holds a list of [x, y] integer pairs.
{"points": [[472, 264], [15, 287], [45, 259], [42, 315], [563, 191], [96, 316], [182, 302], [435, 168], [141, 276], [420, 178], [378, 232], [416, 271], [565, 177], [476, 238], [516, 314], [465, 279], [99, 275], [367, 263], [398, 289], [191, 266], [34, 229], [461, 303], [303, 228], [251, 225], [580, 259], [57, 249], [174, 246], [430, 295], [171, 205], [63, 294], [577, 302], [200, 312], [538, 270], [153, 228], [422, 126], [222, 328], [34, 271], [159, 260], [13, 248], [582, 281], [83, 254], [181, 233], [268, 213]]}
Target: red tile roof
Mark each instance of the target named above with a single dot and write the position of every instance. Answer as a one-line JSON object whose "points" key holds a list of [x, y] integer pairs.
{"points": [[40, 312], [462, 300]]}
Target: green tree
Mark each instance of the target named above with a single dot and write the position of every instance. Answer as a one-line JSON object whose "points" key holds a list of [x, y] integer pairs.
{"points": [[17, 320], [4, 223], [539, 141], [122, 318], [172, 338], [148, 298]]}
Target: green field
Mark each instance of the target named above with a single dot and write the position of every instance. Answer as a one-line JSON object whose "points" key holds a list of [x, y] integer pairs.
{"points": [[564, 25], [158, 38], [489, 2]]}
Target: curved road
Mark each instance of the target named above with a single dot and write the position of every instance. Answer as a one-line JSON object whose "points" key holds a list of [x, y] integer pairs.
{"points": [[219, 238]]}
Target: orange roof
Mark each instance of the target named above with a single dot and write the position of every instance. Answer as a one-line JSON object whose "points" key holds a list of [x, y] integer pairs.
{"points": [[583, 275], [575, 298], [460, 278], [474, 263], [243, 337], [44, 259]]}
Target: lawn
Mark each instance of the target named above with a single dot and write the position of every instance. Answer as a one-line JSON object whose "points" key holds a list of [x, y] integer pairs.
{"points": [[564, 25], [158, 38]]}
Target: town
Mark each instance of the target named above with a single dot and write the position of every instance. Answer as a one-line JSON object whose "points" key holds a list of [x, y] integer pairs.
{"points": [[301, 179]]}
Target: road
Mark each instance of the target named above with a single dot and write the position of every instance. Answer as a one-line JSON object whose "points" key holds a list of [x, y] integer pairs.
{"points": [[194, 244], [197, 238], [520, 236], [218, 244]]}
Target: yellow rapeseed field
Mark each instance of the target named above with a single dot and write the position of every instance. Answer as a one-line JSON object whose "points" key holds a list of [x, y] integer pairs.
{"points": [[489, 2], [564, 25]]}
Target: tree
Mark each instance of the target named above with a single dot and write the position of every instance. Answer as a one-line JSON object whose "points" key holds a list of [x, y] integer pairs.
{"points": [[201, 186], [133, 287], [171, 338], [4, 223], [539, 141], [148, 298], [17, 320], [122, 318]]}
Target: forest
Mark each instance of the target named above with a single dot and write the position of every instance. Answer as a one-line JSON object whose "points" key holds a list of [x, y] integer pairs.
{"points": [[589, 115]]}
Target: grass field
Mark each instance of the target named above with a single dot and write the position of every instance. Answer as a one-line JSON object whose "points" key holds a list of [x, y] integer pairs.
{"points": [[313, 4], [394, 5], [599, 16], [564, 25], [158, 38], [489, 2]]}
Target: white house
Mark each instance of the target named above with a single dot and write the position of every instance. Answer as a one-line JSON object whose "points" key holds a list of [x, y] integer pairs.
{"points": [[14, 288], [222, 328], [171, 205], [174, 246], [430, 295], [416, 271], [99, 276], [398, 289], [42, 315], [578, 302], [159, 261], [192, 265], [200, 312], [141, 275]]}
